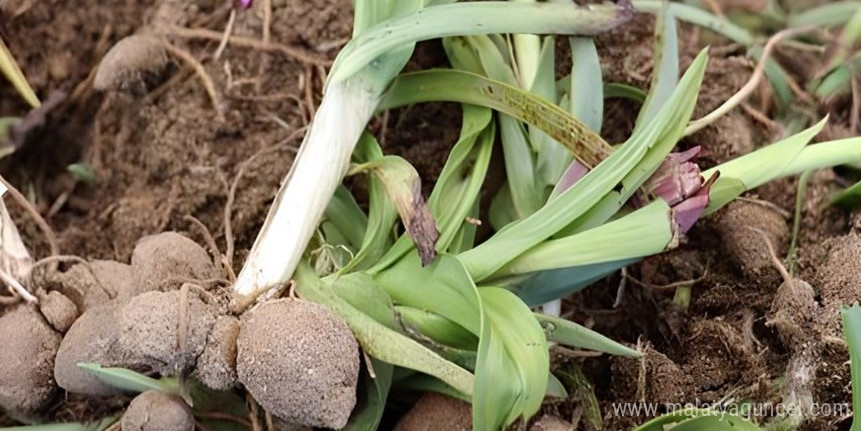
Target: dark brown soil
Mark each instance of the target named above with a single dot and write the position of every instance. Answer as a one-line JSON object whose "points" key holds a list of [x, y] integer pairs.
{"points": [[164, 155]]}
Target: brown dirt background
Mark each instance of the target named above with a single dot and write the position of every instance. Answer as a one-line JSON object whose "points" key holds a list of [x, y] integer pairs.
{"points": [[161, 155]]}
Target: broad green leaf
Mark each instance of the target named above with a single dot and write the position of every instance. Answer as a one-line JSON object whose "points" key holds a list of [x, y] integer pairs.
{"points": [[644, 232], [625, 91], [360, 291], [435, 327], [568, 333], [513, 361], [377, 339], [551, 158], [542, 287], [131, 381], [586, 91], [852, 333], [849, 198], [425, 383], [503, 247], [757, 168]]}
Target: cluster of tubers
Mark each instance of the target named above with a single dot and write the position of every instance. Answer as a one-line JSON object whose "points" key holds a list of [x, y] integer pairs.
{"points": [[165, 314]]}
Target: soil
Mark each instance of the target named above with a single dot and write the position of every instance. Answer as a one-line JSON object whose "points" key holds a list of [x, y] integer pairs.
{"points": [[165, 155]]}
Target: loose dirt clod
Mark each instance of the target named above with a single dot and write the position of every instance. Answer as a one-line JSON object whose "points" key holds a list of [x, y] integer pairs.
{"points": [[165, 260], [92, 338], [216, 366], [437, 412], [745, 246], [158, 411], [26, 361], [299, 362], [839, 278], [132, 62], [58, 310], [156, 331]]}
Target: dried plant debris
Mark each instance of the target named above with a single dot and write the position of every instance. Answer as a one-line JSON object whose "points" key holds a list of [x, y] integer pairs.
{"points": [[300, 362]]}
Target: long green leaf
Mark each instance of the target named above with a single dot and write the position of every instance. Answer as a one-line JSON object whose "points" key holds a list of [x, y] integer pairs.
{"points": [[131, 381], [666, 58], [642, 233], [474, 18], [700, 17], [503, 247], [378, 340], [568, 333], [367, 415], [9, 68], [467, 87]]}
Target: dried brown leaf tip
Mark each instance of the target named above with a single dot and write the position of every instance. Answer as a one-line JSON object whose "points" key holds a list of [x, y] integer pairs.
{"points": [[403, 186], [421, 226]]}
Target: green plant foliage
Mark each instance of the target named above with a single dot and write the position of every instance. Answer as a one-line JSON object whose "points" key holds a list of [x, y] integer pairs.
{"points": [[131, 381]]}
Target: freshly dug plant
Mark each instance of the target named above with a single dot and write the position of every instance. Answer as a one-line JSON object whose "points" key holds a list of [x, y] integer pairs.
{"points": [[131, 63], [299, 361], [158, 411], [29, 345], [437, 412]]}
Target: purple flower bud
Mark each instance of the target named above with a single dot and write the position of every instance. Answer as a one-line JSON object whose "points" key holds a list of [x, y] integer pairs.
{"points": [[688, 211], [245, 4], [677, 178]]}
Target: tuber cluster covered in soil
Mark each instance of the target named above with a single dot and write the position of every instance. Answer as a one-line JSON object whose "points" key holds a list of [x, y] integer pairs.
{"points": [[300, 362]]}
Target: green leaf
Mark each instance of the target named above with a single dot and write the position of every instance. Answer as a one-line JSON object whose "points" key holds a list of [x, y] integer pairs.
{"points": [[700, 17], [425, 383], [436, 327], [825, 15], [345, 214], [757, 168], [378, 340], [850, 198], [473, 18], [568, 333], [131, 381], [698, 420], [512, 347], [551, 158], [369, 410], [852, 332], [666, 74], [545, 286], [9, 68], [506, 245], [624, 91], [644, 232], [586, 93], [466, 87]]}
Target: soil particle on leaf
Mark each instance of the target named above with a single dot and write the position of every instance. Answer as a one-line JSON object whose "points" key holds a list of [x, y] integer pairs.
{"points": [[166, 260], [92, 338], [167, 331], [437, 412], [157, 411], [300, 362], [131, 63], [745, 246], [29, 345], [58, 310], [216, 366]]}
